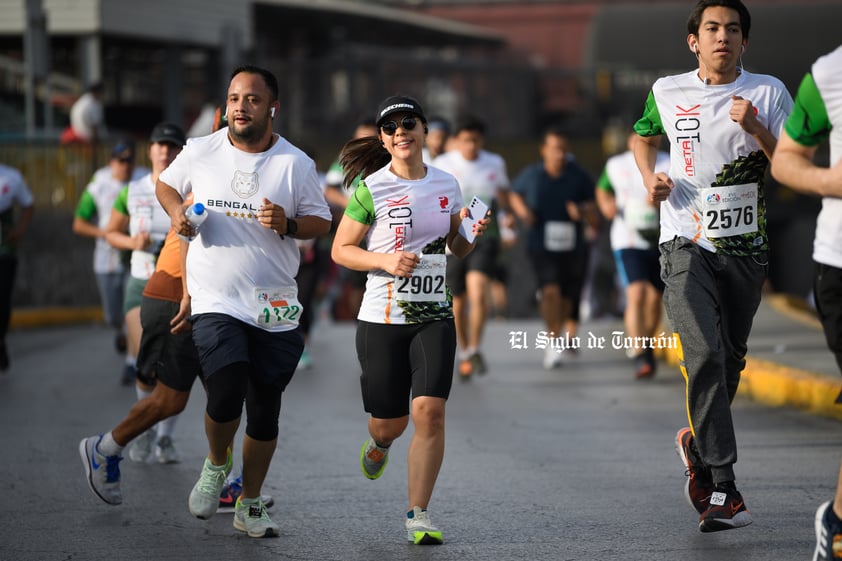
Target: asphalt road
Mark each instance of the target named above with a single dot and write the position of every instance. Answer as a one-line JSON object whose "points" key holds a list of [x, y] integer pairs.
{"points": [[572, 464]]}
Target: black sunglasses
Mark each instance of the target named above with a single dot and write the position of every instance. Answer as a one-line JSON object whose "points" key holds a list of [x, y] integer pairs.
{"points": [[407, 124]]}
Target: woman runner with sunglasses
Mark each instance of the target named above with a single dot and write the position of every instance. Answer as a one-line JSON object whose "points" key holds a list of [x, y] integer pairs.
{"points": [[406, 340]]}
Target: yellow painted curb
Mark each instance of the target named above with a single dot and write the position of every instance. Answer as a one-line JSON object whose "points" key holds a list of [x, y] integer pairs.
{"points": [[41, 317], [782, 386], [778, 385]]}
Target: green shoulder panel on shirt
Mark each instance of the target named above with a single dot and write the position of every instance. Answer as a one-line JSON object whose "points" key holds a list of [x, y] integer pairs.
{"points": [[86, 209], [361, 205], [808, 124], [121, 203], [650, 123], [603, 183]]}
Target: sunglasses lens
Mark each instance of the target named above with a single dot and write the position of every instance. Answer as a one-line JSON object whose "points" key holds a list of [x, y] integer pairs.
{"points": [[408, 123]]}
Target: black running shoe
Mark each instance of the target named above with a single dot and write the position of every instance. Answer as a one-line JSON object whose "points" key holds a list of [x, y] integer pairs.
{"points": [[828, 534], [726, 510]]}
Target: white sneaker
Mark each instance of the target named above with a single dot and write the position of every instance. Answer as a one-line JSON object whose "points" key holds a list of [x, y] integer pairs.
{"points": [[419, 529], [102, 472], [141, 447], [552, 359], [165, 451], [254, 520], [204, 498]]}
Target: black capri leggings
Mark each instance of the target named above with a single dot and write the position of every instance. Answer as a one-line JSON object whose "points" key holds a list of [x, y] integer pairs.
{"points": [[237, 382]]}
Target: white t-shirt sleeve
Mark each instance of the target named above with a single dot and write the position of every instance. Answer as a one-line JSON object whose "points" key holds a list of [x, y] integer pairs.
{"points": [[311, 199], [177, 174]]}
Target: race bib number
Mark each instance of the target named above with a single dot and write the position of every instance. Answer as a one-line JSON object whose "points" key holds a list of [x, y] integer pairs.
{"points": [[559, 236], [640, 215], [427, 283], [730, 210], [277, 306]]}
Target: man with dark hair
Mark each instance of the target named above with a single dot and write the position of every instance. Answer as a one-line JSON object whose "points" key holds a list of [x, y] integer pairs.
{"points": [[261, 193], [722, 123], [554, 198], [481, 174]]}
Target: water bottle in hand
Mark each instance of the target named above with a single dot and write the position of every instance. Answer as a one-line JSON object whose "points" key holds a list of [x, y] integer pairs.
{"points": [[196, 215]]}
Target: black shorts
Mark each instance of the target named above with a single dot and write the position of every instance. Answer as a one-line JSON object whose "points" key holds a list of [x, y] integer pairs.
{"points": [[483, 258], [827, 288], [635, 265], [172, 359], [222, 340], [565, 269], [399, 359]]}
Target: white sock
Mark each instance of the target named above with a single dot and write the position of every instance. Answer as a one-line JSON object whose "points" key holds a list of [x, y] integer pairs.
{"points": [[108, 446], [166, 427]]}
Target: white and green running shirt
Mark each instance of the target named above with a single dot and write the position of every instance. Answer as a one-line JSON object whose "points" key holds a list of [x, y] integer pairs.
{"points": [[718, 169], [412, 216], [817, 115]]}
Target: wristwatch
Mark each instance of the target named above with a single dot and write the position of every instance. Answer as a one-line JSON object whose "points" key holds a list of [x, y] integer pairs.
{"points": [[292, 227]]}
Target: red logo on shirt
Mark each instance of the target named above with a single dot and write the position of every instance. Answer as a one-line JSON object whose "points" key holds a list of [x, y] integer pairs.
{"points": [[443, 201]]}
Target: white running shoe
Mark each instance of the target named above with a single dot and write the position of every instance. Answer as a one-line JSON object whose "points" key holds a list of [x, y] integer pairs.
{"points": [[419, 529], [141, 447], [204, 498], [165, 451], [552, 359], [254, 520], [103, 472]]}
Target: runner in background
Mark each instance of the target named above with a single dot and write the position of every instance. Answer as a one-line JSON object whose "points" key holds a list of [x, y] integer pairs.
{"points": [[480, 174], [817, 116], [635, 226]]}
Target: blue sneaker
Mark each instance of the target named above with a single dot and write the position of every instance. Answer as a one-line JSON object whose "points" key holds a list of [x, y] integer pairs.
{"points": [[231, 491], [102, 472]]}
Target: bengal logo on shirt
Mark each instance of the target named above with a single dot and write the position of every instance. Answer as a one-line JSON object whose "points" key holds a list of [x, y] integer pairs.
{"points": [[244, 184]]}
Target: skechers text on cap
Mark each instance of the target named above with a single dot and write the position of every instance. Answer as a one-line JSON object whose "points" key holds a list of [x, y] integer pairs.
{"points": [[398, 104]]}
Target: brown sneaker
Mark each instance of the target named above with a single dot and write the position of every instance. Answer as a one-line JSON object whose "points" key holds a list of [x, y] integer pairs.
{"points": [[699, 485]]}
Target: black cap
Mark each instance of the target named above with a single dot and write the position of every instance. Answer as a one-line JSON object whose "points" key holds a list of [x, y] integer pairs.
{"points": [[398, 104], [169, 133]]}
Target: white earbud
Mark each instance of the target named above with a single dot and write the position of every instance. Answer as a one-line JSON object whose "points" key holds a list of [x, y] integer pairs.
{"points": [[272, 112], [696, 49]]}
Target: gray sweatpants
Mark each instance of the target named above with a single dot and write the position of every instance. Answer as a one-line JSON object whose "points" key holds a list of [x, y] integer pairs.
{"points": [[711, 300]]}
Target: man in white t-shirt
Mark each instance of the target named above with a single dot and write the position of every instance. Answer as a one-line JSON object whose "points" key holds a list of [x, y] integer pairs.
{"points": [[480, 174], [722, 124], [261, 193], [623, 200], [90, 220], [816, 117], [87, 116]]}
